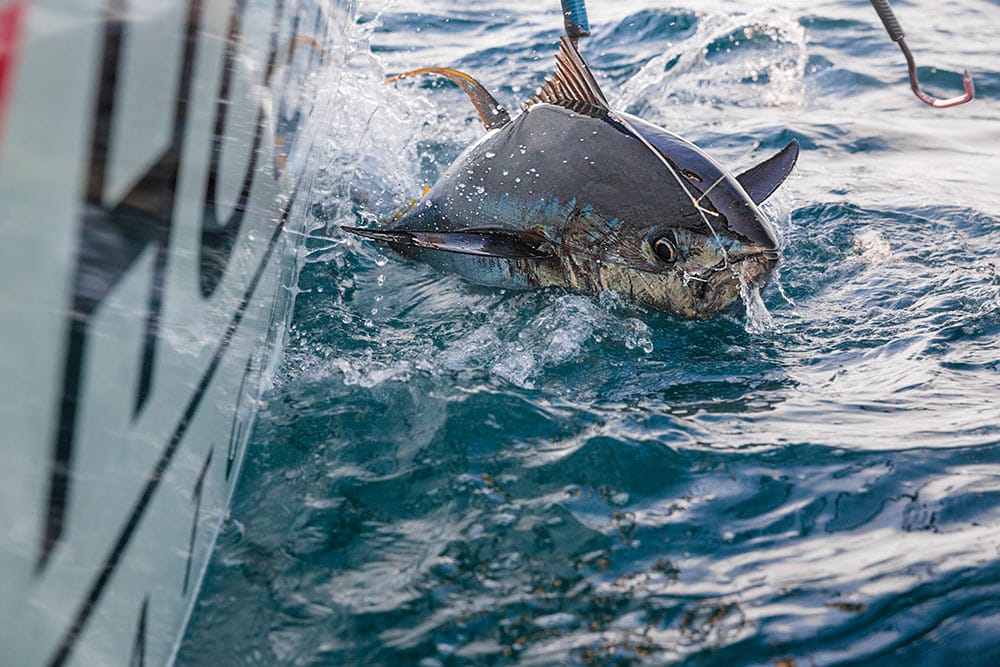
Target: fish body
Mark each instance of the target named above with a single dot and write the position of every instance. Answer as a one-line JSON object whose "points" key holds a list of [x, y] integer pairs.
{"points": [[573, 194]]}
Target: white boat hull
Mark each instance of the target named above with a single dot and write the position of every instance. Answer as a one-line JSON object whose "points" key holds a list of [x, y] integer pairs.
{"points": [[147, 260]]}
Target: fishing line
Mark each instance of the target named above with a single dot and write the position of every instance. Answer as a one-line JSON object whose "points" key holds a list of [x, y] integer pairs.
{"points": [[704, 194], [680, 182], [577, 25]]}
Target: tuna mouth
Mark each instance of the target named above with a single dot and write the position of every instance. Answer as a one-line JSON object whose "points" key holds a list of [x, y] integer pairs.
{"points": [[716, 289], [755, 266], [751, 264]]}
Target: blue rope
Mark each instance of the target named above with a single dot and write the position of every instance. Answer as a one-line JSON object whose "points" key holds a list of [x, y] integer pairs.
{"points": [[575, 15]]}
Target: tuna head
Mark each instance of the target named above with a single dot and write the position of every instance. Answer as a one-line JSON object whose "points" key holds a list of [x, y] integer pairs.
{"points": [[695, 273], [571, 193], [652, 216]]}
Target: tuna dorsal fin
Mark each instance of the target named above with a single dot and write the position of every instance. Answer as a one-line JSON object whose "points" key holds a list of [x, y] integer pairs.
{"points": [[572, 85], [480, 242], [490, 111], [763, 179]]}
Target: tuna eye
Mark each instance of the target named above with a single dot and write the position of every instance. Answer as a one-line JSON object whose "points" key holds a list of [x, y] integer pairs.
{"points": [[665, 250]]}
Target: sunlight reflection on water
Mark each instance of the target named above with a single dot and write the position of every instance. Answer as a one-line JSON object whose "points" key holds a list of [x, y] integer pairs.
{"points": [[447, 474]]}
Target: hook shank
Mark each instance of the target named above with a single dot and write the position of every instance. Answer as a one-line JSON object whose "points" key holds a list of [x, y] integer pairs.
{"points": [[897, 35]]}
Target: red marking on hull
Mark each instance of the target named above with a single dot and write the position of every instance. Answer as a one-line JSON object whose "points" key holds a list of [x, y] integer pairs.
{"points": [[10, 28]]}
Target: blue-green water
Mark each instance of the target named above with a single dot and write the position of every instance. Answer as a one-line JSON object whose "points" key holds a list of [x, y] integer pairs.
{"points": [[445, 474]]}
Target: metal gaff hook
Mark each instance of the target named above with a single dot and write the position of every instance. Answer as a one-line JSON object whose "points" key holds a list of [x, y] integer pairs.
{"points": [[896, 33]]}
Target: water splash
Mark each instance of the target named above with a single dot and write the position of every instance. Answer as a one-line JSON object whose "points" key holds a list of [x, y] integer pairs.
{"points": [[779, 285], [517, 341], [370, 144], [758, 317], [755, 58], [558, 334]]}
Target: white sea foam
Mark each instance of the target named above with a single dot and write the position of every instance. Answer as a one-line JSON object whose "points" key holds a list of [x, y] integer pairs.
{"points": [[873, 247]]}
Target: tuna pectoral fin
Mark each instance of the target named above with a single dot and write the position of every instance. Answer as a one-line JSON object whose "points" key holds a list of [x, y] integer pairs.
{"points": [[492, 113], [483, 243], [760, 181]]}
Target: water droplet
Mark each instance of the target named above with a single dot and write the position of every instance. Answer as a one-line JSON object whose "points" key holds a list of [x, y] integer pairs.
{"points": [[381, 279], [381, 260], [490, 155]]}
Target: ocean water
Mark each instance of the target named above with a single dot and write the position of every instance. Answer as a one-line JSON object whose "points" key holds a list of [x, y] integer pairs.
{"points": [[446, 474]]}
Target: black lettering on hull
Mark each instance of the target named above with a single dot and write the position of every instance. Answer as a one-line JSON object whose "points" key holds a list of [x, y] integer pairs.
{"points": [[111, 239], [236, 430], [218, 237], [138, 658], [199, 487], [113, 236], [153, 481]]}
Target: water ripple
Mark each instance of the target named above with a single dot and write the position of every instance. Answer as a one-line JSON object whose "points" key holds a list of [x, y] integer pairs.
{"points": [[446, 474]]}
